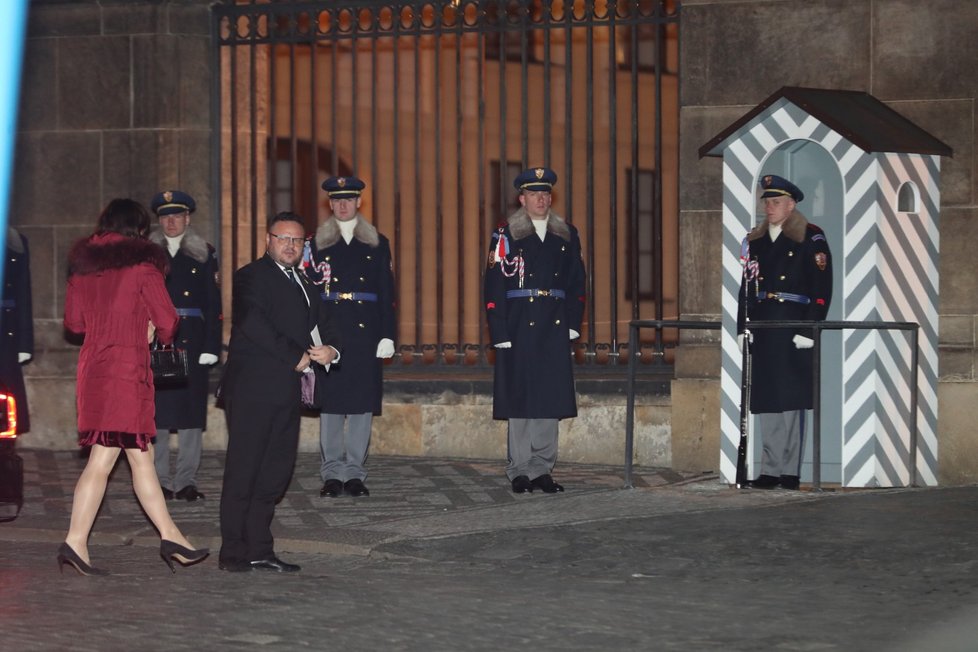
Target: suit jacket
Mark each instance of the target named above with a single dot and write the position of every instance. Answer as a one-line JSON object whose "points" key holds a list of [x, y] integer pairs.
{"points": [[270, 331]]}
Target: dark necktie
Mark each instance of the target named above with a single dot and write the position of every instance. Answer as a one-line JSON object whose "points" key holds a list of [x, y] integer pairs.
{"points": [[298, 285]]}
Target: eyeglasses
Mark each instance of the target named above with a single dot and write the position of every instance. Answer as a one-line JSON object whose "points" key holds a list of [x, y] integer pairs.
{"points": [[285, 239]]}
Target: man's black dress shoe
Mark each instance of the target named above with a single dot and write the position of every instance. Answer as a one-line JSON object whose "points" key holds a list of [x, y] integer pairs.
{"points": [[522, 485], [167, 493], [331, 488], [546, 484], [355, 488], [790, 482], [765, 482], [234, 566], [189, 493], [273, 563]]}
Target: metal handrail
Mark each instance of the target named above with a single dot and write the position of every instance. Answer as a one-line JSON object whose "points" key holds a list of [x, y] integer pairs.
{"points": [[817, 327]]}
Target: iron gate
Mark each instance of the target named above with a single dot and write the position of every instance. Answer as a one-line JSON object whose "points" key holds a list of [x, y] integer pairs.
{"points": [[437, 105]]}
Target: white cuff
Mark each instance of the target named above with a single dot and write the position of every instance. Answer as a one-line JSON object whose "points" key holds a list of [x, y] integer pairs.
{"points": [[573, 334], [23, 357], [207, 359], [504, 345]]}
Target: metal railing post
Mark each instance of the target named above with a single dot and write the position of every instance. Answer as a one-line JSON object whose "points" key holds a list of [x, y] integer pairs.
{"points": [[630, 407]]}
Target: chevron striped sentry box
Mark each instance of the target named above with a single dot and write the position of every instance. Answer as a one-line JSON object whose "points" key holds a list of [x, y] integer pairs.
{"points": [[873, 178]]}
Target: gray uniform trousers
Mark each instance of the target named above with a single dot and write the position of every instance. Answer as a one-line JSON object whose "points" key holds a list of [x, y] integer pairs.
{"points": [[532, 447], [781, 435], [344, 450], [190, 442]]}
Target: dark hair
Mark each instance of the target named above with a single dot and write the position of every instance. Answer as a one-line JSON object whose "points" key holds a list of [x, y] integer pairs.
{"points": [[124, 216], [285, 216]]}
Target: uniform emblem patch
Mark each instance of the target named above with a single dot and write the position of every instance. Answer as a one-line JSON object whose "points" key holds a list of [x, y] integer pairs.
{"points": [[168, 196], [538, 172], [821, 261]]}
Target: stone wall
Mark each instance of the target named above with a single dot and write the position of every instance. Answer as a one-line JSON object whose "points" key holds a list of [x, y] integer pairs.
{"points": [[918, 57], [116, 98], [115, 102]]}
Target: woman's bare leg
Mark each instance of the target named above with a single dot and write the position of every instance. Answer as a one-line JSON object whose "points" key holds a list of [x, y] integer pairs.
{"points": [[146, 484], [89, 492]]}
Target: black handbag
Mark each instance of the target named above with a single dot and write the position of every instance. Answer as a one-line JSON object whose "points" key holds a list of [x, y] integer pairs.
{"points": [[169, 365]]}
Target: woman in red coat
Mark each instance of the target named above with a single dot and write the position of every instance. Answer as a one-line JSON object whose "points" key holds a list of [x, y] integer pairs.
{"points": [[116, 297]]}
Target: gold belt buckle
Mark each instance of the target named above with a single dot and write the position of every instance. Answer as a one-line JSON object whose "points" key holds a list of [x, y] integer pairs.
{"points": [[345, 295], [543, 293]]}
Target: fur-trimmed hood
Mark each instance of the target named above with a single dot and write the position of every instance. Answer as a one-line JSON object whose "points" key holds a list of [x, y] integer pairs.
{"points": [[106, 251], [794, 227], [191, 244], [521, 225], [328, 232]]}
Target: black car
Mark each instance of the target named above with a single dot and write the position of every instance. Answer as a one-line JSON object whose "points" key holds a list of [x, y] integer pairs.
{"points": [[11, 465]]}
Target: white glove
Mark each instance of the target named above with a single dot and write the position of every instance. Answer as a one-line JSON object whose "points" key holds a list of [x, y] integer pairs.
{"points": [[385, 348], [207, 359], [504, 345], [23, 357], [574, 334], [802, 342]]}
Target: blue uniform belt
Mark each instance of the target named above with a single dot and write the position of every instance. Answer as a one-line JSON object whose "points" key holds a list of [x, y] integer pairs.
{"points": [[534, 292], [8, 303], [190, 312], [783, 296], [349, 296]]}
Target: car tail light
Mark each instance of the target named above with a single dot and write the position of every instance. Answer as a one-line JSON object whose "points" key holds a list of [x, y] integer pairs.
{"points": [[8, 416]]}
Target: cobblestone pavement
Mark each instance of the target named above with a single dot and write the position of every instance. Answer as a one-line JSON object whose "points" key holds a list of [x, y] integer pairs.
{"points": [[442, 556]]}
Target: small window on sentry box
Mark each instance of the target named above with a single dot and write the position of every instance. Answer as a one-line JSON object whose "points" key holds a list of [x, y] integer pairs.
{"points": [[908, 199]]}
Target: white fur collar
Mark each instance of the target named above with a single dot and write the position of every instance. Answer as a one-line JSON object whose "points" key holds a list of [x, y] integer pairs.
{"points": [[521, 226], [328, 232], [191, 245]]}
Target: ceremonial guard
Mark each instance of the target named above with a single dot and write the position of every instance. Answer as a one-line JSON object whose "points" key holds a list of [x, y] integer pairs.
{"points": [[16, 324], [534, 295], [194, 286], [350, 263], [788, 276]]}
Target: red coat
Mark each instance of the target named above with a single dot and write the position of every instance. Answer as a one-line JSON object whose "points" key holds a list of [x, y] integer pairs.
{"points": [[115, 287]]}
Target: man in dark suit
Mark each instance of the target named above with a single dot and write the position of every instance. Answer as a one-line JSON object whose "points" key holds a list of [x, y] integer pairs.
{"points": [[278, 330], [534, 292]]}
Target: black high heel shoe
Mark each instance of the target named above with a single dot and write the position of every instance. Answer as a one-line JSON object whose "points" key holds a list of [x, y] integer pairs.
{"points": [[68, 556], [187, 557]]}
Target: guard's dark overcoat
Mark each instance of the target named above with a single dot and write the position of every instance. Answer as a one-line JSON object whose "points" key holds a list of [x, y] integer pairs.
{"points": [[355, 384], [193, 283], [16, 323], [535, 378], [798, 262]]}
